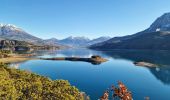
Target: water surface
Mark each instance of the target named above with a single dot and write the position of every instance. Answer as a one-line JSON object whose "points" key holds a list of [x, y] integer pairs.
{"points": [[95, 79]]}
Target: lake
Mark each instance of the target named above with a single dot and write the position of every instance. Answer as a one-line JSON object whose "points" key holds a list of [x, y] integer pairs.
{"points": [[95, 79]]}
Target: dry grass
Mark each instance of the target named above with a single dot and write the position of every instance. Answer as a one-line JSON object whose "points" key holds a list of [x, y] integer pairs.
{"points": [[15, 58]]}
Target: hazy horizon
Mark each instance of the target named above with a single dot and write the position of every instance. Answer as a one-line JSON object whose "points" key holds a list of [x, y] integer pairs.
{"points": [[62, 18]]}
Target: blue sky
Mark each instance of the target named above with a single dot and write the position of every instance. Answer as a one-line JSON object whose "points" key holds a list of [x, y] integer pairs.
{"points": [[91, 18]]}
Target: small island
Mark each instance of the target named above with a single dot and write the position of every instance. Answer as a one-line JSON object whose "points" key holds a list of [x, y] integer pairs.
{"points": [[95, 59]]}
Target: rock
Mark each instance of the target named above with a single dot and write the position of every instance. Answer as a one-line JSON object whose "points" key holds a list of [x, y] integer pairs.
{"points": [[145, 64]]}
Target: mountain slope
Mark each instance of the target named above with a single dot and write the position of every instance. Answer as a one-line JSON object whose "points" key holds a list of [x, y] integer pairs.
{"points": [[153, 40], [78, 41], [55, 42], [98, 40], [11, 32], [8, 31], [52, 41], [75, 41], [155, 37], [161, 24]]}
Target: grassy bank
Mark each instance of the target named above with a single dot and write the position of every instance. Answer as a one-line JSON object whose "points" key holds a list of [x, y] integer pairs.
{"points": [[6, 56], [16, 84], [15, 58]]}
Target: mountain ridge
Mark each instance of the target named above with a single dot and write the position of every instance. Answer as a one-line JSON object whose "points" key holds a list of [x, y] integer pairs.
{"points": [[160, 26], [12, 32], [79, 41]]}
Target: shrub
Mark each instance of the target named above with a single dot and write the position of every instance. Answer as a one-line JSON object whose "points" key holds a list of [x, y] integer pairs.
{"points": [[16, 84]]}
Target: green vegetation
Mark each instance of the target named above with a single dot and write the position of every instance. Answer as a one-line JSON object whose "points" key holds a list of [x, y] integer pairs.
{"points": [[16, 85], [5, 53]]}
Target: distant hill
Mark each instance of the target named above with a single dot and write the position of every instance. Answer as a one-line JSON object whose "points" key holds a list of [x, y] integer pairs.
{"points": [[55, 42], [16, 45], [157, 36], [77, 41], [52, 40]]}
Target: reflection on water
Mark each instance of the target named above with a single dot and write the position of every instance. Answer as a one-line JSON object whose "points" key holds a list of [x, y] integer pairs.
{"points": [[162, 74], [161, 58], [86, 53], [94, 79]]}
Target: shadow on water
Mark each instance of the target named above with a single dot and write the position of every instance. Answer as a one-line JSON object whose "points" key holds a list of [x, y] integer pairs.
{"points": [[161, 58]]}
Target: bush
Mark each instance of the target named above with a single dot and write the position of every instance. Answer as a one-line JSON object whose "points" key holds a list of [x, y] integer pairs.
{"points": [[16, 84]]}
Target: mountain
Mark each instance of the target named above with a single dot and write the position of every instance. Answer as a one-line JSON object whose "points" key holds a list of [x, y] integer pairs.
{"points": [[79, 41], [52, 41], [75, 41], [15, 45], [157, 36], [154, 40], [161, 24], [11, 32], [55, 42], [98, 40]]}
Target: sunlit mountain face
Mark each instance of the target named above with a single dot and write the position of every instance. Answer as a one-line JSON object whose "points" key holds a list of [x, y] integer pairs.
{"points": [[157, 36], [12, 32]]}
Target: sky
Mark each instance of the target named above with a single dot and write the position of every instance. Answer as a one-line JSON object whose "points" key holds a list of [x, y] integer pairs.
{"points": [[90, 18]]}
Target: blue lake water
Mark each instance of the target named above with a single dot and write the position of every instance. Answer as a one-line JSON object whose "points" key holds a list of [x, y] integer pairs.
{"points": [[95, 79]]}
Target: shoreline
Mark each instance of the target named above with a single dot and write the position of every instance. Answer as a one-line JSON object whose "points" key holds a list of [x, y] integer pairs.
{"points": [[16, 58]]}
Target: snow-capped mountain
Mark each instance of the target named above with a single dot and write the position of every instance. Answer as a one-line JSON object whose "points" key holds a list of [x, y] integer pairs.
{"points": [[80, 41], [7, 28], [157, 36], [11, 32], [160, 24], [75, 41]]}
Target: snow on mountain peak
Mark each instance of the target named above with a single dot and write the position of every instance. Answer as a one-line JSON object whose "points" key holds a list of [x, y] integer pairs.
{"points": [[10, 27], [162, 23], [78, 37]]}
